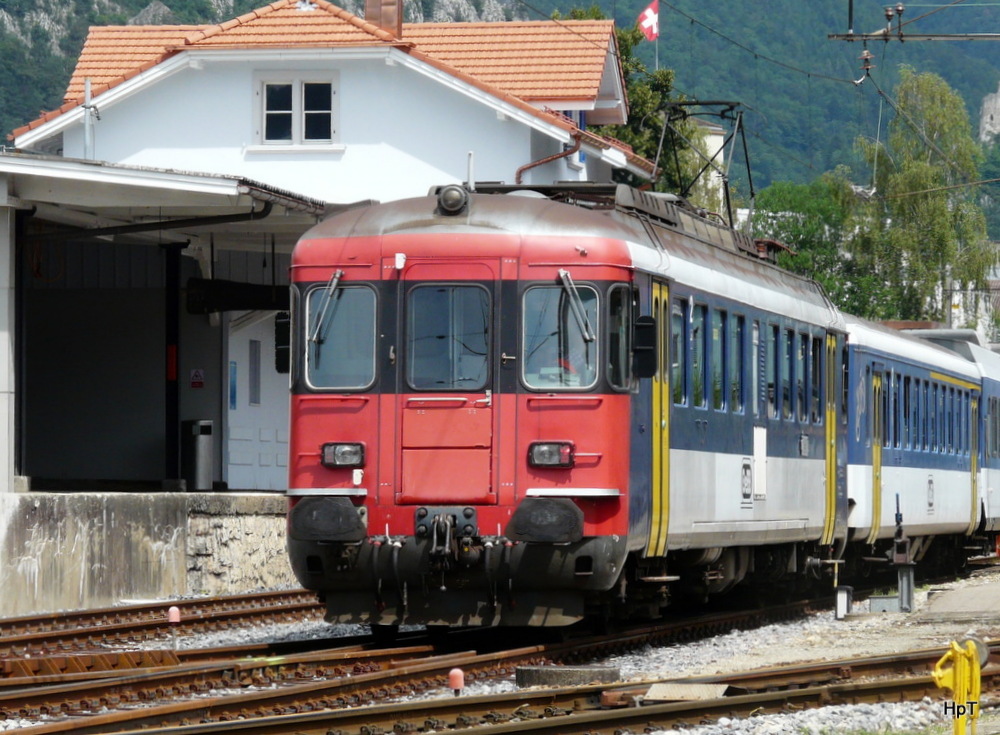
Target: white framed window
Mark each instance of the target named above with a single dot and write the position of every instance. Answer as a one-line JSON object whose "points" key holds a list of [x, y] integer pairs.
{"points": [[297, 110]]}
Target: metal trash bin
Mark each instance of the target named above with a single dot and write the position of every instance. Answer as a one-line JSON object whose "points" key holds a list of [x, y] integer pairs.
{"points": [[197, 452]]}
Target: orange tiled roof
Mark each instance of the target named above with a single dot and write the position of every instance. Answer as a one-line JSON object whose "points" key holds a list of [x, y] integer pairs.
{"points": [[532, 60], [113, 53], [291, 23], [519, 61], [540, 60]]}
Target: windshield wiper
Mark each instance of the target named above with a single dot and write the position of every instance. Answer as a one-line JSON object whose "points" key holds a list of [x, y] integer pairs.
{"points": [[576, 306], [327, 297]]}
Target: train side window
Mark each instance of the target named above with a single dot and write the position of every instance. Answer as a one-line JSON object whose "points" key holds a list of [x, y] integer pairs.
{"points": [[620, 337], [699, 371], [936, 418], [845, 384], [928, 401], [987, 407], [865, 425], [678, 353], [952, 408], [340, 342], [737, 362], [966, 420], [884, 411], [990, 427], [787, 373], [816, 380], [995, 425], [801, 376], [717, 364], [755, 351], [895, 410], [771, 374], [907, 419]]}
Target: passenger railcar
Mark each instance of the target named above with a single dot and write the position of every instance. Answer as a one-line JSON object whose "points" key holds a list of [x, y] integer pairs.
{"points": [[966, 343], [510, 410], [913, 450]]}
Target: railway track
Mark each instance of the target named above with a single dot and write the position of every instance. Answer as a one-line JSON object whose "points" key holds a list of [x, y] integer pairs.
{"points": [[353, 686], [346, 677], [595, 708], [95, 630]]}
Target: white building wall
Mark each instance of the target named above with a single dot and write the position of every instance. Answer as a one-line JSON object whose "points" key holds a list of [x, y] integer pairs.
{"points": [[400, 133]]}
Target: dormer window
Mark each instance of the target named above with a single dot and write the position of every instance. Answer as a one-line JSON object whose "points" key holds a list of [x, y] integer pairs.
{"points": [[297, 110]]}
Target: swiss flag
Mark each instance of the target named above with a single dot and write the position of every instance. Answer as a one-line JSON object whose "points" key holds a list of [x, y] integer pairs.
{"points": [[649, 21]]}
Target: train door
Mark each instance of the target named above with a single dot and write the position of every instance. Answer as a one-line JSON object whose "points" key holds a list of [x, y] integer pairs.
{"points": [[831, 397], [656, 543], [878, 432], [974, 462], [445, 396]]}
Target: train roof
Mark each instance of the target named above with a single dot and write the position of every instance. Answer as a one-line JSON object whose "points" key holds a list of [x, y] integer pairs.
{"points": [[906, 346], [664, 233], [965, 343]]}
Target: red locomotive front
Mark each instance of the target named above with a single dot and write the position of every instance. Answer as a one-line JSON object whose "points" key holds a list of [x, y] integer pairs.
{"points": [[461, 388]]}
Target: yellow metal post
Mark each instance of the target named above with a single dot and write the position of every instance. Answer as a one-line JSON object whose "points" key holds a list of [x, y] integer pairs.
{"points": [[959, 671]]}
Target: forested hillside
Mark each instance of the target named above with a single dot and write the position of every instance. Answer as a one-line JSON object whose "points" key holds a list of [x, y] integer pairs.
{"points": [[803, 110]]}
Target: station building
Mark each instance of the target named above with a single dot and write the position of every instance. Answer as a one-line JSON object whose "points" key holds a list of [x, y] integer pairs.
{"points": [[146, 228]]}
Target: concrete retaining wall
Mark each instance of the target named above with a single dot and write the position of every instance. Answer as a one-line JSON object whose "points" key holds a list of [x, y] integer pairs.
{"points": [[83, 550]]}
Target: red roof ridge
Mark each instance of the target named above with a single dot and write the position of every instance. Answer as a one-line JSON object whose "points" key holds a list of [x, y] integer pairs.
{"points": [[322, 5]]}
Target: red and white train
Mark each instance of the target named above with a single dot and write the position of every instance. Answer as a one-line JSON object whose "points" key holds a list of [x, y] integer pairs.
{"points": [[528, 407]]}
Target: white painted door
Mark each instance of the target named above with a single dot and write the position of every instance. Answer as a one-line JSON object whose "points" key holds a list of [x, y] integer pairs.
{"points": [[256, 404]]}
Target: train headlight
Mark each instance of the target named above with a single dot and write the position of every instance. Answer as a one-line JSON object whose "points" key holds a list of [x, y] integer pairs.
{"points": [[343, 455], [551, 454], [452, 199]]}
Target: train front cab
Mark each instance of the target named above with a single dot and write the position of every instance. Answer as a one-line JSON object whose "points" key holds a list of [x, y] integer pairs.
{"points": [[442, 472]]}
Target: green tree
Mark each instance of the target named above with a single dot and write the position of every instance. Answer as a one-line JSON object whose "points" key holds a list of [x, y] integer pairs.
{"points": [[815, 221], [925, 233]]}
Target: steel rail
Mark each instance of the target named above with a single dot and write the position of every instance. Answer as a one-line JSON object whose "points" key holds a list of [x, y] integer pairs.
{"points": [[140, 623]]}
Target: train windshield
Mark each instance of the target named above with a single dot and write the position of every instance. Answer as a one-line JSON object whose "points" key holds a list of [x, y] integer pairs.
{"points": [[340, 349], [560, 349], [448, 337]]}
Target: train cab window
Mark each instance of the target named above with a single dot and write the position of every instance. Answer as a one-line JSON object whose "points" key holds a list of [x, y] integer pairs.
{"points": [[678, 353], [736, 360], [620, 337], [698, 362], [340, 339], [447, 337], [716, 369], [787, 373], [559, 329]]}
